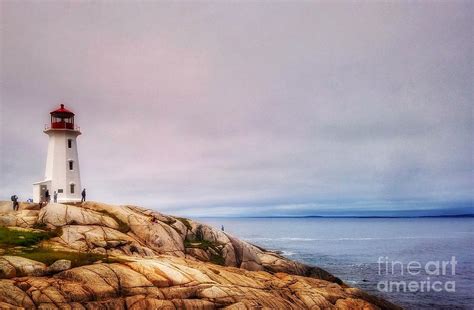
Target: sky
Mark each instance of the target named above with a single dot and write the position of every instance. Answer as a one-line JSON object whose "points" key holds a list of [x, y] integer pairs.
{"points": [[246, 108]]}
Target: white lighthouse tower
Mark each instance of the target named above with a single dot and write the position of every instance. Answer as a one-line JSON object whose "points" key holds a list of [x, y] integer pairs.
{"points": [[62, 164]]}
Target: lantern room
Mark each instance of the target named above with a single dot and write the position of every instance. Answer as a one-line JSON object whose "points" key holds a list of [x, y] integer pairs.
{"points": [[62, 118]]}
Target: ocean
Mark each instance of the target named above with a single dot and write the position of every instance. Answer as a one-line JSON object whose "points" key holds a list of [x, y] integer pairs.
{"points": [[418, 263]]}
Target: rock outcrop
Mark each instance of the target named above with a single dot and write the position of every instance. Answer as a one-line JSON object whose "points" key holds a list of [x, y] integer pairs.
{"points": [[14, 266], [25, 217], [146, 260], [58, 266]]}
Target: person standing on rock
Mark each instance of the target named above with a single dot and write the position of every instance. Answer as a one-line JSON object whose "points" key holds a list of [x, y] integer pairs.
{"points": [[222, 227], [14, 199], [55, 197], [83, 194]]}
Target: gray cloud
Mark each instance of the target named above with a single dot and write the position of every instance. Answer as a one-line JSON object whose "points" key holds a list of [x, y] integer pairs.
{"points": [[245, 108]]}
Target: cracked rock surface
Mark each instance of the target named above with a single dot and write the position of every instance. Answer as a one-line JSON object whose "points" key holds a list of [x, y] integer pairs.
{"points": [[156, 261]]}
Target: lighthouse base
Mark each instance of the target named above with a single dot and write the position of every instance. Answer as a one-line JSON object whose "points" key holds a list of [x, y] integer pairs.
{"points": [[39, 193], [39, 190]]}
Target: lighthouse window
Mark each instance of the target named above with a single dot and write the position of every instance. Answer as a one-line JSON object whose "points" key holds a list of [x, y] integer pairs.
{"points": [[71, 165], [69, 143], [71, 188]]}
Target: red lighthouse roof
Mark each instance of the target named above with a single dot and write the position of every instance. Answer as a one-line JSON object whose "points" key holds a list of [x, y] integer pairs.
{"points": [[62, 112], [62, 118]]}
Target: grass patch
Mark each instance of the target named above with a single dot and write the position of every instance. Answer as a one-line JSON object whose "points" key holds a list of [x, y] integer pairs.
{"points": [[49, 256], [201, 244], [199, 235], [12, 237], [217, 259], [25, 244], [185, 222], [42, 226], [123, 227], [206, 245]]}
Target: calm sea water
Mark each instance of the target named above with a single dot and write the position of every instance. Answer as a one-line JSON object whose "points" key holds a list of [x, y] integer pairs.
{"points": [[351, 249]]}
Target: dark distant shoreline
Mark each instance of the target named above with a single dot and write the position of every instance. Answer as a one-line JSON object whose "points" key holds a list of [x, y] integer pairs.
{"points": [[387, 216], [349, 216]]}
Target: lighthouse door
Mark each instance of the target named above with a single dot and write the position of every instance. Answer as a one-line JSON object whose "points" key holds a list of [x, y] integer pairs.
{"points": [[42, 192]]}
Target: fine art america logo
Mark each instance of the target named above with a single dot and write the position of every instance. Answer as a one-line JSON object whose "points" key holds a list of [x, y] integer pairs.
{"points": [[425, 277]]}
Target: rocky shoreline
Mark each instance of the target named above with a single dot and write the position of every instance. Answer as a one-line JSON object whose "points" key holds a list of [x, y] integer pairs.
{"points": [[99, 256]]}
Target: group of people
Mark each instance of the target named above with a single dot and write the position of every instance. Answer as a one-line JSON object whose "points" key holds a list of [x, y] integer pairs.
{"points": [[47, 198]]}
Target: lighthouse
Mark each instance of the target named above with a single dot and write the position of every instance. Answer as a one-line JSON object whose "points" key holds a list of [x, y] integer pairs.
{"points": [[62, 163]]}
